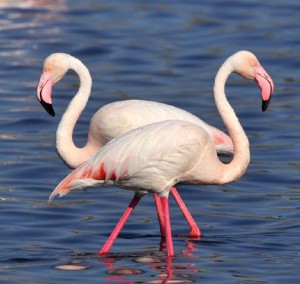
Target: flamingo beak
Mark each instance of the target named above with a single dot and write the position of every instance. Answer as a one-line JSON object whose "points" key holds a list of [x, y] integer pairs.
{"points": [[265, 104], [44, 91], [266, 85]]}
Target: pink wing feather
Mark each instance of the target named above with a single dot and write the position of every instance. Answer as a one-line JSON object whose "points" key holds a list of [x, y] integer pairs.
{"points": [[145, 159]]}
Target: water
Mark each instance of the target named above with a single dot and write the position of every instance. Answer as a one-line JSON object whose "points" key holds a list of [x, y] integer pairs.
{"points": [[162, 51]]}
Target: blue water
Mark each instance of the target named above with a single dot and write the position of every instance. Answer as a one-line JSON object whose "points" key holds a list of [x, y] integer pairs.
{"points": [[167, 51]]}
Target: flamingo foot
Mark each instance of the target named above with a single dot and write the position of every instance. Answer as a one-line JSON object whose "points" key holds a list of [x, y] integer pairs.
{"points": [[195, 233]]}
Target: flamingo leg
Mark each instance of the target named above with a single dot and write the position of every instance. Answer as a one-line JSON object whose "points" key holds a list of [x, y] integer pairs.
{"points": [[108, 244], [165, 207], [160, 215], [195, 231]]}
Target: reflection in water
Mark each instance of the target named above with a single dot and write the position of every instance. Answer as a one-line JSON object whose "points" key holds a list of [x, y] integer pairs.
{"points": [[33, 4], [166, 271], [23, 19], [179, 269], [74, 265]]}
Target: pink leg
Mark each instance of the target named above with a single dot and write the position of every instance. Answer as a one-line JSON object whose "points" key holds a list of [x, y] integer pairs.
{"points": [[165, 207], [108, 244], [195, 231], [160, 215]]}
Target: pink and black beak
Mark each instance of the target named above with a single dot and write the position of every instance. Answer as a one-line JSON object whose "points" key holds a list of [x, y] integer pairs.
{"points": [[266, 85], [44, 91]]}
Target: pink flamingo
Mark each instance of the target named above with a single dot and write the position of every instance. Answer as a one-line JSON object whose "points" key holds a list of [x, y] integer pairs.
{"points": [[157, 156], [111, 120]]}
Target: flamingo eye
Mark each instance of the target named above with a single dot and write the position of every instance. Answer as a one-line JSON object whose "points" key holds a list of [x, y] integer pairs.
{"points": [[50, 68], [252, 62]]}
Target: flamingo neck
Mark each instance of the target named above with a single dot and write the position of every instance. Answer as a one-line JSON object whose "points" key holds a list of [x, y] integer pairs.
{"points": [[241, 158], [67, 150]]}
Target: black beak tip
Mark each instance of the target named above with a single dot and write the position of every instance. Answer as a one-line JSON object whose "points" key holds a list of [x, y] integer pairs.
{"points": [[265, 105], [48, 108]]}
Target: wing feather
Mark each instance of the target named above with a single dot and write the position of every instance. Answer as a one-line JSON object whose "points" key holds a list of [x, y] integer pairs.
{"points": [[147, 158]]}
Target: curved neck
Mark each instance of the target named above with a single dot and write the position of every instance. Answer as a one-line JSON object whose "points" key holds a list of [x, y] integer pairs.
{"points": [[241, 158], [72, 155]]}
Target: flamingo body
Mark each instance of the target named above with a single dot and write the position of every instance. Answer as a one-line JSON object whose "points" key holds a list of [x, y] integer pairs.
{"points": [[119, 117], [179, 151]]}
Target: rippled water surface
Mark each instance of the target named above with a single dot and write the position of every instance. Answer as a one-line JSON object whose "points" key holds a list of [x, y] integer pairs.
{"points": [[166, 51]]}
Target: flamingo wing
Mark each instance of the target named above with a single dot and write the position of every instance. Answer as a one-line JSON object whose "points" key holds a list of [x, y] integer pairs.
{"points": [[147, 159]]}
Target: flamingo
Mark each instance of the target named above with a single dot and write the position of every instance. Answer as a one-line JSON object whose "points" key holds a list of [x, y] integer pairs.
{"points": [[156, 157], [111, 120]]}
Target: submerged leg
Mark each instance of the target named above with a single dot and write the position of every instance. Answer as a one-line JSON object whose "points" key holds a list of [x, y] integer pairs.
{"points": [[165, 206], [108, 244], [160, 215], [195, 231]]}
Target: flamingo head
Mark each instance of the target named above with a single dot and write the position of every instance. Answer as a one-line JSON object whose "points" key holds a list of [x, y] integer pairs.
{"points": [[247, 65], [55, 67]]}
